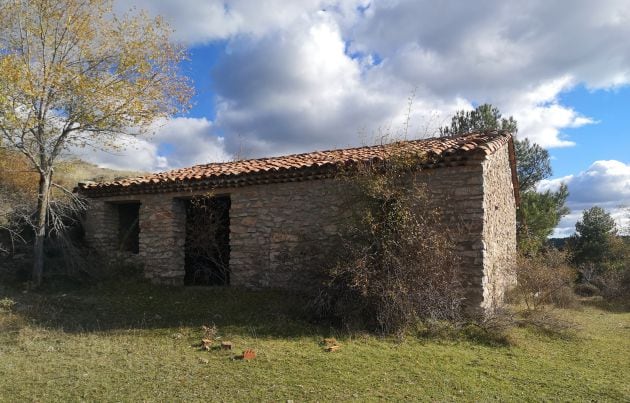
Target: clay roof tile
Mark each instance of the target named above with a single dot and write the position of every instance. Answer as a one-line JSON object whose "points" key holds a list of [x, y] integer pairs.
{"points": [[265, 170]]}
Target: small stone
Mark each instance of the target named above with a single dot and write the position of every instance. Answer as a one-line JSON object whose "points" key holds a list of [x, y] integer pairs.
{"points": [[226, 345]]}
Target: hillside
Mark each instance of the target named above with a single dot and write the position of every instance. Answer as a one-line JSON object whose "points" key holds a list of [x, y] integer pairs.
{"points": [[75, 171]]}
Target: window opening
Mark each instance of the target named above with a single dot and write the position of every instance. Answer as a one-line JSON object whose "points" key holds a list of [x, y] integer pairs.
{"points": [[128, 227]]}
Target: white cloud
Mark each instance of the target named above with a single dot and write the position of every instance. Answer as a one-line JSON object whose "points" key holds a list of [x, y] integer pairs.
{"points": [[190, 141], [541, 117], [542, 123], [308, 78], [605, 183], [296, 91], [314, 74], [175, 143], [197, 22]]}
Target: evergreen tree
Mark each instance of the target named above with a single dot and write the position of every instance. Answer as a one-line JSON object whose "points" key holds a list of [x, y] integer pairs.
{"points": [[484, 117], [539, 213], [594, 237]]}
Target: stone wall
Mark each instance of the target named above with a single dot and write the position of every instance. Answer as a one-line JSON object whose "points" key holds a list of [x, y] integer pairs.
{"points": [[162, 226], [100, 224], [499, 229], [458, 193], [162, 237], [281, 232]]}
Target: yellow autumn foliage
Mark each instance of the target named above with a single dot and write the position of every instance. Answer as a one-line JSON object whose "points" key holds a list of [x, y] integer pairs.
{"points": [[75, 74]]}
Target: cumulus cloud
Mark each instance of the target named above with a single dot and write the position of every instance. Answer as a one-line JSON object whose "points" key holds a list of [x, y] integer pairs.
{"points": [[541, 117], [517, 55], [296, 91], [197, 22], [298, 76], [605, 183], [314, 76], [174, 143]]}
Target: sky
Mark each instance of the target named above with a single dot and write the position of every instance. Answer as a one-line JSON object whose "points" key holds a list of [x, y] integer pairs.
{"points": [[276, 77]]}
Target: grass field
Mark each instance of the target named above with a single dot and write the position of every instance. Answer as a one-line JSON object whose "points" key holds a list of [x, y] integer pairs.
{"points": [[136, 342]]}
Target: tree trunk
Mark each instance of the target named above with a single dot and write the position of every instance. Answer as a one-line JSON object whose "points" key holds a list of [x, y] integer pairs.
{"points": [[43, 201]]}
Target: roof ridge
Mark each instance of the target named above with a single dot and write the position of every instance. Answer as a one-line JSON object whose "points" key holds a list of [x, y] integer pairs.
{"points": [[374, 146]]}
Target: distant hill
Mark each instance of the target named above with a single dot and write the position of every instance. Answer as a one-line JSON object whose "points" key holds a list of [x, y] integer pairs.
{"points": [[70, 173]]}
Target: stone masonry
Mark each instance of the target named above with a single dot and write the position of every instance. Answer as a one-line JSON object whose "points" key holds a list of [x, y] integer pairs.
{"points": [[279, 232]]}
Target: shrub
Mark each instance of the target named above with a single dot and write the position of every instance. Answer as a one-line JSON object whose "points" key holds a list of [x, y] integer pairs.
{"points": [[544, 280], [586, 290], [615, 285], [6, 304], [565, 297], [397, 266]]}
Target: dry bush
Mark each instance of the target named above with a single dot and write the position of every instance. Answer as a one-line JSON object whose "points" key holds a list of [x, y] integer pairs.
{"points": [[586, 290], [614, 285], [18, 201], [543, 281], [610, 277], [18, 194], [397, 265], [6, 304]]}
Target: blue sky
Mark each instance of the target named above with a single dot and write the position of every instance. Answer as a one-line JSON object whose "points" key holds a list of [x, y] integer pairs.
{"points": [[275, 77], [199, 67], [609, 138]]}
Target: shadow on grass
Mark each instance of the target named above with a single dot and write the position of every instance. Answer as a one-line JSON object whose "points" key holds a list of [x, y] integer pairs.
{"points": [[136, 304], [605, 305], [472, 332], [548, 324]]}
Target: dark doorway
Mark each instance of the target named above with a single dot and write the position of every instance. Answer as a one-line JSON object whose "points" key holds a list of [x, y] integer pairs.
{"points": [[207, 242], [128, 227]]}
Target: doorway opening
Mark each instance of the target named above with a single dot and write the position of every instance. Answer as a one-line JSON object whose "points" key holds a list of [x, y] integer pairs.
{"points": [[207, 244]]}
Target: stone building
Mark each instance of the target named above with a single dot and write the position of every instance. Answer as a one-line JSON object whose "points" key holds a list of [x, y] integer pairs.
{"points": [[264, 213]]}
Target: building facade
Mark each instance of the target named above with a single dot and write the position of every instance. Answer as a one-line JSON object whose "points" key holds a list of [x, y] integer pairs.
{"points": [[269, 222]]}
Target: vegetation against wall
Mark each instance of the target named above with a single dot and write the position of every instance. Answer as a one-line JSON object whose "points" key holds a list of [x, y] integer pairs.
{"points": [[396, 265]]}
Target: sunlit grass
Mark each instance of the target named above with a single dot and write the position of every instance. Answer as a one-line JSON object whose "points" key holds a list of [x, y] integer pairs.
{"points": [[138, 342]]}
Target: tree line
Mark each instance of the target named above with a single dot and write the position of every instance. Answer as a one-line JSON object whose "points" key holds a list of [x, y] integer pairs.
{"points": [[596, 250]]}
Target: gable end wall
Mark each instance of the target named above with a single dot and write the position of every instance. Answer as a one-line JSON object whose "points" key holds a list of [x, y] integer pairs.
{"points": [[499, 228]]}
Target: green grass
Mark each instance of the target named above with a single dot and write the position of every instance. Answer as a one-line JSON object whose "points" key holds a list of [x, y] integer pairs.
{"points": [[135, 342]]}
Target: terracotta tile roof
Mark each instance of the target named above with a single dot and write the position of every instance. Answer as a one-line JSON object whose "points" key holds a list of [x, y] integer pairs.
{"points": [[444, 151]]}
